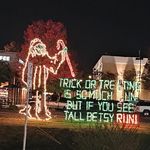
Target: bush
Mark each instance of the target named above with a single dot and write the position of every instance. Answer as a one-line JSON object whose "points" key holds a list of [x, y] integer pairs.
{"points": [[107, 137]]}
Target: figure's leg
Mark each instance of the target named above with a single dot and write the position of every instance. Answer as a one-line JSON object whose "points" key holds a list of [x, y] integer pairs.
{"points": [[47, 112], [23, 111], [37, 105], [34, 77]]}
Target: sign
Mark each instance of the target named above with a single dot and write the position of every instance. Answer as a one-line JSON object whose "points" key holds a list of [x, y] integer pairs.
{"points": [[29, 75], [5, 58], [92, 101]]}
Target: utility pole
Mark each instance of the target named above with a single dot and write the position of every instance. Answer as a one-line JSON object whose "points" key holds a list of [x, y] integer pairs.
{"points": [[29, 88], [139, 72]]}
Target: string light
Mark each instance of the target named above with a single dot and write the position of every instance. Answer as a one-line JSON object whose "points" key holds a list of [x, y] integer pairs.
{"points": [[38, 48], [34, 77], [40, 71], [64, 55], [37, 105]]}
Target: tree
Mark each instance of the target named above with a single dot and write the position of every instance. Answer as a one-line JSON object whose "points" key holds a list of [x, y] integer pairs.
{"points": [[146, 76], [5, 72], [49, 32], [12, 47], [45, 46], [108, 76], [129, 75], [14, 66]]}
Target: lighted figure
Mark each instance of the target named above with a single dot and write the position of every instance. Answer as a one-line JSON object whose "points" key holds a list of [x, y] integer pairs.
{"points": [[44, 65]]}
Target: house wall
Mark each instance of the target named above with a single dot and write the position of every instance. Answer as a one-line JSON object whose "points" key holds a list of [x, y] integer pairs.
{"points": [[119, 65]]}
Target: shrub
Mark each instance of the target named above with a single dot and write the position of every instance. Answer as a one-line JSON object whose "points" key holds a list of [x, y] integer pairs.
{"points": [[107, 137]]}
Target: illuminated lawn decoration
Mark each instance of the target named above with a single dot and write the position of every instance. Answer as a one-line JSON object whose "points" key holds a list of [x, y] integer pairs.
{"points": [[41, 72], [92, 101]]}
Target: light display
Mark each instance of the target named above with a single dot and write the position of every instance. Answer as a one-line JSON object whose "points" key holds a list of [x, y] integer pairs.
{"points": [[94, 102], [3, 93], [41, 72], [64, 55]]}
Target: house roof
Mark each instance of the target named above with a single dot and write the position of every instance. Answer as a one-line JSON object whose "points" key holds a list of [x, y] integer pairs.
{"points": [[105, 59]]}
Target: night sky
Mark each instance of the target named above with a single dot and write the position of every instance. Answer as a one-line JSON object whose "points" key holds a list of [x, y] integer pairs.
{"points": [[94, 27]]}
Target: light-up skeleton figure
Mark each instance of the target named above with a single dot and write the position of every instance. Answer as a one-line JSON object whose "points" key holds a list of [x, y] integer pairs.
{"points": [[41, 71]]}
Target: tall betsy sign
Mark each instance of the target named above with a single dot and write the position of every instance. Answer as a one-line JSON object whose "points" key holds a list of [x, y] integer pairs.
{"points": [[92, 101]]}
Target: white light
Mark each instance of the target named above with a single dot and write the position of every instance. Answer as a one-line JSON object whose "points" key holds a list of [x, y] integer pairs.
{"points": [[5, 58], [41, 72], [21, 61], [90, 77]]}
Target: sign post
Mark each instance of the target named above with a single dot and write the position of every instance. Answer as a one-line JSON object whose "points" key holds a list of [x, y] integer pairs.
{"points": [[29, 88]]}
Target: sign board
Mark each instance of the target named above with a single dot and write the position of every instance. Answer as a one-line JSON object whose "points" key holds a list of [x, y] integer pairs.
{"points": [[29, 75], [5, 58], [92, 101]]}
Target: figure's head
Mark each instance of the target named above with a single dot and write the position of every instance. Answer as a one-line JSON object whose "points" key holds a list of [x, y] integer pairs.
{"points": [[37, 47]]}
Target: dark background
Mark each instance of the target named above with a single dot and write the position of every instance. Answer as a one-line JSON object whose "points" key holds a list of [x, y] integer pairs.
{"points": [[94, 27]]}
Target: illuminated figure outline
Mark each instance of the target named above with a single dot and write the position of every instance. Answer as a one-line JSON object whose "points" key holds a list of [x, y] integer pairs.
{"points": [[38, 48]]}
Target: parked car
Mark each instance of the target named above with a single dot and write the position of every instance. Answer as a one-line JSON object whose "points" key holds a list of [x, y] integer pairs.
{"points": [[143, 107]]}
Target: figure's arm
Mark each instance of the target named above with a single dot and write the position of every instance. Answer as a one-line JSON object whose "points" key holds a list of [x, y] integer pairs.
{"points": [[69, 64], [64, 55]]}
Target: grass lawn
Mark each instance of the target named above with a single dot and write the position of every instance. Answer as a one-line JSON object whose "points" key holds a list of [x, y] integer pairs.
{"points": [[57, 134], [11, 138]]}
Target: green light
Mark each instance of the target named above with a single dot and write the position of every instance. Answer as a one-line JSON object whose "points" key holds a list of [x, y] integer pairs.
{"points": [[93, 100], [67, 93], [89, 105], [132, 85], [90, 84], [75, 116], [92, 116], [107, 84], [81, 94], [70, 83], [106, 106], [74, 105], [125, 107], [130, 96]]}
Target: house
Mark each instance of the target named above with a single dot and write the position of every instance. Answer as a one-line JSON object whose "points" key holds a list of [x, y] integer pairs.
{"points": [[122, 68], [11, 92]]}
